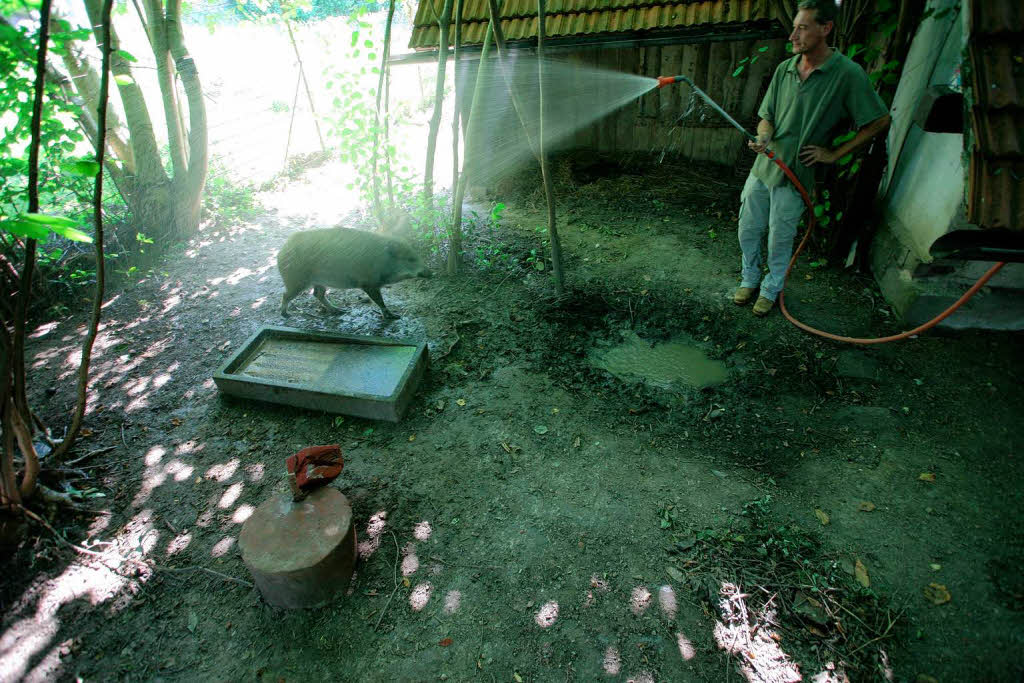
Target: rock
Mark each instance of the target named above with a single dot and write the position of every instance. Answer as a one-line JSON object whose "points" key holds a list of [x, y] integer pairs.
{"points": [[856, 365]]}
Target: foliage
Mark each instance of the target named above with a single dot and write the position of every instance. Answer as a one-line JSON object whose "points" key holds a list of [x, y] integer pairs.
{"points": [[818, 590], [66, 167], [748, 61], [300, 10]]}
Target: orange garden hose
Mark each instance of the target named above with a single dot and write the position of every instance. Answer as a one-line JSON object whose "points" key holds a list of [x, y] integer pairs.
{"points": [[662, 81], [857, 340]]}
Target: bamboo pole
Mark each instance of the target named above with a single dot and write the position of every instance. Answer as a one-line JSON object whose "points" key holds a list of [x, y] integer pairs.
{"points": [[455, 243], [456, 116], [549, 190], [444, 22], [302, 75], [291, 121], [376, 116]]}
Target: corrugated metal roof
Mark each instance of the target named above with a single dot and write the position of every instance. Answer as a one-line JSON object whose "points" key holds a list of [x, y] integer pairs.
{"points": [[584, 17], [996, 197]]}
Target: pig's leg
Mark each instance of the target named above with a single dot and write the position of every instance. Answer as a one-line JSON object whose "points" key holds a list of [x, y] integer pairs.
{"points": [[374, 294], [289, 294], [320, 293]]}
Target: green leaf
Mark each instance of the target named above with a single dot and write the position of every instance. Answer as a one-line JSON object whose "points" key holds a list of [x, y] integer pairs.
{"points": [[127, 55], [72, 234], [763, 49], [82, 169], [819, 210], [744, 60], [52, 221], [738, 71], [123, 79], [20, 226], [367, 43]]}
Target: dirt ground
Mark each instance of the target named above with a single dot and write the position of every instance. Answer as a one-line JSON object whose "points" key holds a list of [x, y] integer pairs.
{"points": [[534, 518]]}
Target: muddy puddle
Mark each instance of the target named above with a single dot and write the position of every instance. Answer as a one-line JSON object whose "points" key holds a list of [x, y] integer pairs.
{"points": [[673, 365]]}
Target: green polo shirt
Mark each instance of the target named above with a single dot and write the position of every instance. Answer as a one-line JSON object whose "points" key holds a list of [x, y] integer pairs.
{"points": [[807, 112]]}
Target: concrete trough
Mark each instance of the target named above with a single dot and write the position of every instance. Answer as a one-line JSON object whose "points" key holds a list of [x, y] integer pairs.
{"points": [[369, 377]]}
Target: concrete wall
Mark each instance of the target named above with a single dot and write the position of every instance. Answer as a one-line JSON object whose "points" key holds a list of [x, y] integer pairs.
{"points": [[923, 195]]}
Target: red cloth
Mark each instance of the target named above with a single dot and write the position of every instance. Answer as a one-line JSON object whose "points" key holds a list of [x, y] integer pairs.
{"points": [[314, 467]]}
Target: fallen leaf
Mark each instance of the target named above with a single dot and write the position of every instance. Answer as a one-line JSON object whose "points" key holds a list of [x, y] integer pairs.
{"points": [[85, 432], [866, 506], [576, 442], [925, 678], [927, 476], [937, 594], [406, 582], [445, 642], [461, 402], [861, 574], [675, 574], [540, 429], [822, 517], [176, 421], [935, 567], [439, 405], [816, 631], [554, 411], [506, 447], [519, 679], [193, 621], [412, 437]]}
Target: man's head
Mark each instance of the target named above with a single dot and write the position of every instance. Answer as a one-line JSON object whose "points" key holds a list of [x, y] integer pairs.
{"points": [[814, 21]]}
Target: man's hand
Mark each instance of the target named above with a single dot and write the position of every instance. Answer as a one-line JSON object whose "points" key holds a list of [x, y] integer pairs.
{"points": [[759, 145], [812, 154]]}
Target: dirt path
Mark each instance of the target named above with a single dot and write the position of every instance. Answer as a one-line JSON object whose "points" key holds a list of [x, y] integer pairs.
{"points": [[545, 520]]}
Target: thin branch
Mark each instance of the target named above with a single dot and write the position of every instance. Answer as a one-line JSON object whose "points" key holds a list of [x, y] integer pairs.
{"points": [[97, 304]]}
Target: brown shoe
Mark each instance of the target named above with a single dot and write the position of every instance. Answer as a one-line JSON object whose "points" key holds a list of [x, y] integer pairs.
{"points": [[763, 306], [743, 295]]}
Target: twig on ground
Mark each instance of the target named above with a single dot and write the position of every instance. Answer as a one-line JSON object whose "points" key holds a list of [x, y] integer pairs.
{"points": [[463, 566], [40, 520], [159, 568], [98, 451], [385, 608]]}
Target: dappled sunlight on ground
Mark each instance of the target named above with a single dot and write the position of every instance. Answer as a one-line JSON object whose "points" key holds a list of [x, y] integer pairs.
{"points": [[420, 596], [547, 615]]}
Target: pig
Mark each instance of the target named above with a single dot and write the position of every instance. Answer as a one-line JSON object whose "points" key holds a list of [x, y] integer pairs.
{"points": [[343, 258]]}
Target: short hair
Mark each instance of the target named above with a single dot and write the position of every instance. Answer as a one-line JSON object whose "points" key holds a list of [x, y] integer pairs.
{"points": [[825, 10]]}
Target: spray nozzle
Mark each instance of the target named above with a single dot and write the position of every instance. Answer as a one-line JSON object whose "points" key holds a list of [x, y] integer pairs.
{"points": [[669, 80]]}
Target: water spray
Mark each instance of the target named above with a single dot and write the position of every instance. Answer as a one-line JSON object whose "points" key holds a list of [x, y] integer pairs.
{"points": [[669, 80], [812, 221]]}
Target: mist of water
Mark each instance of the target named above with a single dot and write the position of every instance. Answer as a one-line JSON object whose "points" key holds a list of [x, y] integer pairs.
{"points": [[575, 96]]}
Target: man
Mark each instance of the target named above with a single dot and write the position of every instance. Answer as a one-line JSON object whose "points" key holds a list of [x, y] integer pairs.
{"points": [[809, 95]]}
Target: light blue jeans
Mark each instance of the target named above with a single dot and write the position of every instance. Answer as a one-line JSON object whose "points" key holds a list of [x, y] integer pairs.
{"points": [[778, 209]]}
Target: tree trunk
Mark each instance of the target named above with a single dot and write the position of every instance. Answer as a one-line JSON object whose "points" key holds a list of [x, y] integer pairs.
{"points": [[444, 22]]}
